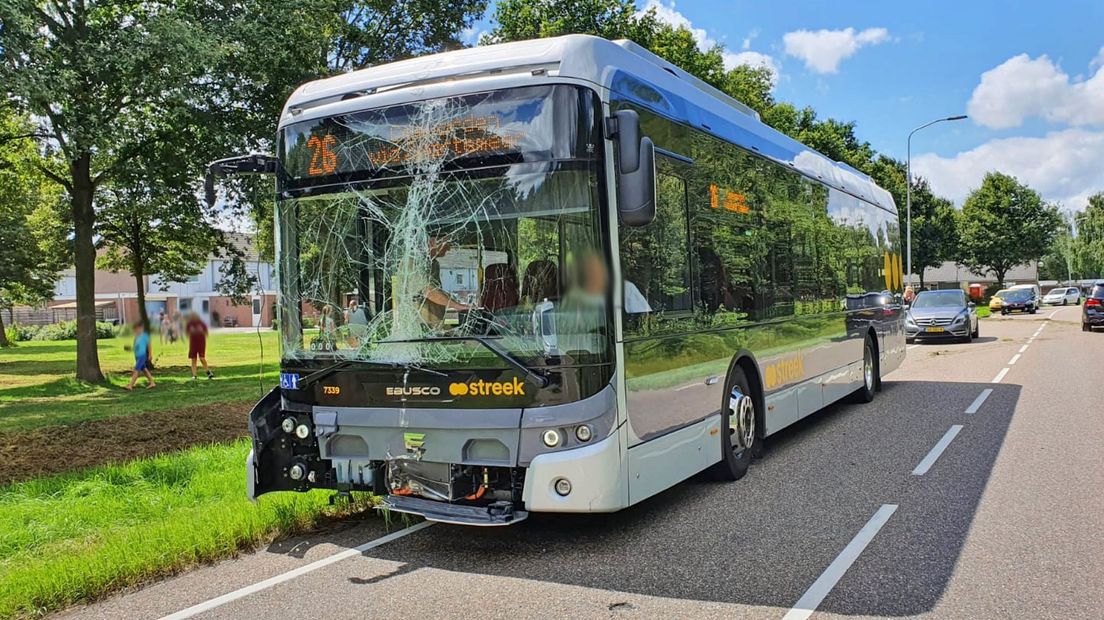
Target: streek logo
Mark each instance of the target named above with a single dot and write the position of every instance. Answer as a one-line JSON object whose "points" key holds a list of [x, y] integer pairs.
{"points": [[488, 388]]}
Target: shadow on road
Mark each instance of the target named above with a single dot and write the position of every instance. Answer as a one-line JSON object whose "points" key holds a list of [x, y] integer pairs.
{"points": [[762, 541]]}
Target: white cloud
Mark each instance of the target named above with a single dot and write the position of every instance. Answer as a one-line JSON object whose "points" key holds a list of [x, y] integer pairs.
{"points": [[1022, 87], [1063, 166], [822, 51], [472, 35], [668, 14]]}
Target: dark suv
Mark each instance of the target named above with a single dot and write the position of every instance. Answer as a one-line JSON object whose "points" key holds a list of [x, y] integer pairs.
{"points": [[1092, 311]]}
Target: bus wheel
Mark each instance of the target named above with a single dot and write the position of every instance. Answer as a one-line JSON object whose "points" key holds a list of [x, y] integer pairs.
{"points": [[738, 418], [865, 393]]}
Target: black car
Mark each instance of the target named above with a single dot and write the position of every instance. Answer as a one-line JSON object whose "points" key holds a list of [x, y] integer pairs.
{"points": [[941, 314], [1018, 300], [1092, 311]]}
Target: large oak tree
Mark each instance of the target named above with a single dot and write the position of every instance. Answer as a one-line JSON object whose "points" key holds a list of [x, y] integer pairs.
{"points": [[1005, 223]]}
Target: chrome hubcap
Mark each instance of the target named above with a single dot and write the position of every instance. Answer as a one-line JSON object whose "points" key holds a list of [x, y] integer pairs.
{"points": [[741, 420], [868, 371]]}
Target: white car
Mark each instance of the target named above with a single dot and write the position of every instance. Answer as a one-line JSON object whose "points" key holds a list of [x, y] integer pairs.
{"points": [[1063, 296]]}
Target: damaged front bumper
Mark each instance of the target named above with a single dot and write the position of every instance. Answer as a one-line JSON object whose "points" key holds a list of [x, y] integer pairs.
{"points": [[463, 466]]}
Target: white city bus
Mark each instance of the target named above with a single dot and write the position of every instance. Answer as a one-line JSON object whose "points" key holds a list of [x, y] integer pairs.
{"points": [[556, 276]]}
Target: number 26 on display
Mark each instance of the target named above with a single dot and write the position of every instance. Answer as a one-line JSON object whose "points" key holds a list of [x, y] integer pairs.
{"points": [[323, 159]]}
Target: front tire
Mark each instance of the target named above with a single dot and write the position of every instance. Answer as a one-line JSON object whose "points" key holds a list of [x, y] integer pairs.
{"points": [[1085, 327], [865, 393], [739, 434]]}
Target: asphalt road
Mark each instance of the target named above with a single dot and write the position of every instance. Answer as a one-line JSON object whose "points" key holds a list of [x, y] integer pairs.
{"points": [[855, 512]]}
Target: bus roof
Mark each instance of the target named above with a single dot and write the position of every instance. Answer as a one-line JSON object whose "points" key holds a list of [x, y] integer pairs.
{"points": [[675, 93]]}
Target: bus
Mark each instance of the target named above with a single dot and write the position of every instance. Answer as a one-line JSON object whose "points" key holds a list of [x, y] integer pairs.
{"points": [[558, 275]]}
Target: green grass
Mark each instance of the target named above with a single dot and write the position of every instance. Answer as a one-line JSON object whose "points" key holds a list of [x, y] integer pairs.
{"points": [[39, 388], [74, 537], [983, 311]]}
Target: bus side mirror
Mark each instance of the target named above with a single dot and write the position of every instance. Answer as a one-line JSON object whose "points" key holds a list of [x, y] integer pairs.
{"points": [[636, 177]]}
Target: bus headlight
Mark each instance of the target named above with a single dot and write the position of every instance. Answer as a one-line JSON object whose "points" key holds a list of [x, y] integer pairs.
{"points": [[563, 486], [583, 433], [551, 438], [288, 425], [302, 431]]}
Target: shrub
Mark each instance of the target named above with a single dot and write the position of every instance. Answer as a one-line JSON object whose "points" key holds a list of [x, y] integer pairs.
{"points": [[67, 330], [19, 332]]}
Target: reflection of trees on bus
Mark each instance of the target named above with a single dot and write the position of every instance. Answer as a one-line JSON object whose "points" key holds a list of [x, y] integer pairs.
{"points": [[763, 243]]}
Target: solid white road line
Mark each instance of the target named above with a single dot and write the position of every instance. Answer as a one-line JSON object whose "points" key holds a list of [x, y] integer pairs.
{"points": [[807, 604], [974, 406], [1015, 358], [1023, 348], [936, 451], [1000, 375], [912, 346], [292, 574]]}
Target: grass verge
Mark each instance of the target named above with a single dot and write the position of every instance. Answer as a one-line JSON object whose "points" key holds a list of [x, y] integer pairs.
{"points": [[75, 537], [983, 311], [38, 388]]}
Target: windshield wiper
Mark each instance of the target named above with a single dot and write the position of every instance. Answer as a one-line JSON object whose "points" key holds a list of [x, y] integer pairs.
{"points": [[492, 346], [322, 373]]}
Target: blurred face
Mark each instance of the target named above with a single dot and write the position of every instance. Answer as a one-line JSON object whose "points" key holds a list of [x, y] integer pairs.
{"points": [[595, 277]]}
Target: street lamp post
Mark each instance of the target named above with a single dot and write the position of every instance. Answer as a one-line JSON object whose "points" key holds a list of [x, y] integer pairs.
{"points": [[908, 190]]}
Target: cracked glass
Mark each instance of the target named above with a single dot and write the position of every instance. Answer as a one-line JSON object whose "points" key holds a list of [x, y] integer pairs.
{"points": [[437, 231]]}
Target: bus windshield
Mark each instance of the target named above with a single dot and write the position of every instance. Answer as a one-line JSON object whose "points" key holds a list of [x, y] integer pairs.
{"points": [[442, 235]]}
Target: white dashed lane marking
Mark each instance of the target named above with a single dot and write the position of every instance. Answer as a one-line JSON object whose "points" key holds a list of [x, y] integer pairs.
{"points": [[936, 451]]}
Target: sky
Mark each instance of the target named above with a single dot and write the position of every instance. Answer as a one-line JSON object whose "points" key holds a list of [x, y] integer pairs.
{"points": [[1030, 75]]}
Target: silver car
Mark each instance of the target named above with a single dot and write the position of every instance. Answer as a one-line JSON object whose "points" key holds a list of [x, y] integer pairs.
{"points": [[1063, 296], [941, 314]]}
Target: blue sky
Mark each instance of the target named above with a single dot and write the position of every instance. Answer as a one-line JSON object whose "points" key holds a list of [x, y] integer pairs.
{"points": [[1030, 74]]}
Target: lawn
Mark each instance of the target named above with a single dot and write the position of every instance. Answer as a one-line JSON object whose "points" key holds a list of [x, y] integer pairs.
{"points": [[39, 388], [77, 536]]}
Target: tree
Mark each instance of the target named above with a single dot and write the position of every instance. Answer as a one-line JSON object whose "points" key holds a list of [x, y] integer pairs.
{"points": [[934, 229], [1005, 223], [1088, 244], [32, 246], [146, 229], [109, 80], [102, 78]]}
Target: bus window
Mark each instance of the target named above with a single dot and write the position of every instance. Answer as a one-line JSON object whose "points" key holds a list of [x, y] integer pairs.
{"points": [[654, 258]]}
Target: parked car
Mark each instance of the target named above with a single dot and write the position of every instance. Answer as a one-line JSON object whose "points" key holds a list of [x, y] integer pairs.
{"points": [[997, 301], [941, 314], [1063, 296], [1036, 294], [1018, 300], [1092, 312]]}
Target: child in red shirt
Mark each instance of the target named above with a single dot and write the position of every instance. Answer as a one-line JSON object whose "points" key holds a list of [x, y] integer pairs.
{"points": [[197, 344]]}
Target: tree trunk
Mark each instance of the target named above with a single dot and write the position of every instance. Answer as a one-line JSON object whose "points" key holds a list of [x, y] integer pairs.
{"points": [[3, 334], [137, 268], [1000, 278], [84, 262], [920, 276]]}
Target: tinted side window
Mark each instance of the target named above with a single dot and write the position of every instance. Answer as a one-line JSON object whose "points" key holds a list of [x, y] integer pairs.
{"points": [[655, 258]]}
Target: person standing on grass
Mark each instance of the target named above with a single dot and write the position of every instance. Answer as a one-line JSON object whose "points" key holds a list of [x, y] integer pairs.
{"points": [[141, 357], [197, 344]]}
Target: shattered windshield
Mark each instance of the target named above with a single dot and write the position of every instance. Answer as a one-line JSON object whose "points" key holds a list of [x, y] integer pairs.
{"points": [[453, 222]]}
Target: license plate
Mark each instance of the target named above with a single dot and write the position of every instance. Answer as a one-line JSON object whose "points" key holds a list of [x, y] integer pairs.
{"points": [[934, 330]]}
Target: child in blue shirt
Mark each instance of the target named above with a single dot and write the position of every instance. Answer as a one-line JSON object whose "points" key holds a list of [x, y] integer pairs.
{"points": [[141, 357]]}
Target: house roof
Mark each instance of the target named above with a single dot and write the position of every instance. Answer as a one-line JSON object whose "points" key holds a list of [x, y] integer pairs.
{"points": [[951, 271]]}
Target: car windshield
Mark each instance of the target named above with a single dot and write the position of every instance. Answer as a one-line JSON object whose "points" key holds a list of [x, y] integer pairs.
{"points": [[1018, 295], [937, 299]]}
